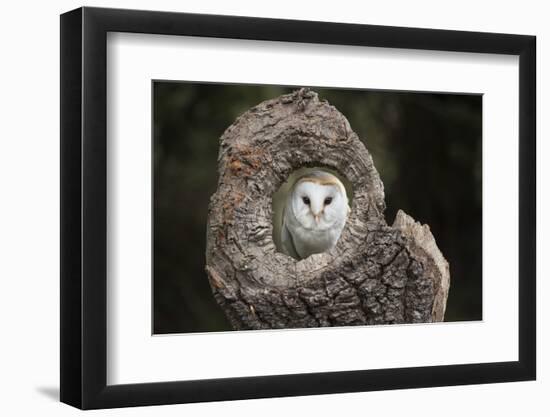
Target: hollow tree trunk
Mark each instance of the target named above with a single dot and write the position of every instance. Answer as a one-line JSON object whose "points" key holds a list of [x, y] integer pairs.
{"points": [[376, 274]]}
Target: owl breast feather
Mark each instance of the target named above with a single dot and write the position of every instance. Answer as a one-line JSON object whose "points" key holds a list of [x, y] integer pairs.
{"points": [[309, 241]]}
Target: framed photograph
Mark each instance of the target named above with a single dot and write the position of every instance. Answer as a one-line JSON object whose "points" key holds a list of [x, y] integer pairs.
{"points": [[258, 208]]}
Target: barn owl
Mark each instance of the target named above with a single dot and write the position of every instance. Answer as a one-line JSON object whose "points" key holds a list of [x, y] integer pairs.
{"points": [[315, 214]]}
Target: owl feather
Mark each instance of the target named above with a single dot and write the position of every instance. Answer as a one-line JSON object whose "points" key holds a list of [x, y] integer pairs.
{"points": [[315, 214]]}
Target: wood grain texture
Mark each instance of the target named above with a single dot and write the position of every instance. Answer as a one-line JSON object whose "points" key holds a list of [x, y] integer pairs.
{"points": [[376, 274]]}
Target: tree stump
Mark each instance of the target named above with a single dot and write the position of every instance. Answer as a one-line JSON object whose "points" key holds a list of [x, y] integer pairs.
{"points": [[376, 274]]}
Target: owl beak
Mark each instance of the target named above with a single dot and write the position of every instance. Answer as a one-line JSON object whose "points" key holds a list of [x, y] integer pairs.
{"points": [[316, 217]]}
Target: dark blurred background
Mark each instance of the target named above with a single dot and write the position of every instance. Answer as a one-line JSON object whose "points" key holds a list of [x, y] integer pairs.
{"points": [[426, 147]]}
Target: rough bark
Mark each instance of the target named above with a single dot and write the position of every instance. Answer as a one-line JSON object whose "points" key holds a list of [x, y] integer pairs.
{"points": [[376, 274]]}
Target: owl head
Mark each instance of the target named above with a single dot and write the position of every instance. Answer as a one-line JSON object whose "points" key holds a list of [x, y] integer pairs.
{"points": [[319, 201]]}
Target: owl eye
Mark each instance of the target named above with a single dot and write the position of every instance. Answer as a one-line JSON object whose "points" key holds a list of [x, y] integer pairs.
{"points": [[306, 200], [328, 200]]}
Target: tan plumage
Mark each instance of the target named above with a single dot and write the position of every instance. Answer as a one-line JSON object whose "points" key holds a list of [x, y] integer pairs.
{"points": [[315, 214]]}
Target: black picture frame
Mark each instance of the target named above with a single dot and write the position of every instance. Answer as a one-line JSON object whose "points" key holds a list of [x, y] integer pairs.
{"points": [[84, 207]]}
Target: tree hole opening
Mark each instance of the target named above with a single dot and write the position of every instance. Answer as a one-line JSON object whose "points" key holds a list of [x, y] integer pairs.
{"points": [[279, 201]]}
